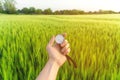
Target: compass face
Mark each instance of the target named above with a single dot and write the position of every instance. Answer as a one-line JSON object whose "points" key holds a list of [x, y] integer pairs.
{"points": [[59, 39]]}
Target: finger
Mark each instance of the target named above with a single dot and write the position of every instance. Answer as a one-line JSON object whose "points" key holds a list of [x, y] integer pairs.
{"points": [[65, 48], [51, 42], [67, 51], [64, 43], [65, 35]]}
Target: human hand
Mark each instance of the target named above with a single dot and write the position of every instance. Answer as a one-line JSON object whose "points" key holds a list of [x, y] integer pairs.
{"points": [[57, 52]]}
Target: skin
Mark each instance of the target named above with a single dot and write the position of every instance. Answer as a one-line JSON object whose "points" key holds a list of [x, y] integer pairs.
{"points": [[56, 59]]}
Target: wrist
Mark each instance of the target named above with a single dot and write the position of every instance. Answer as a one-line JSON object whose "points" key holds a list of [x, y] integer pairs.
{"points": [[54, 63]]}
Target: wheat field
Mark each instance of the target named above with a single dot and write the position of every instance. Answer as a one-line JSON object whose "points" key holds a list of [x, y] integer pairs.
{"points": [[94, 42]]}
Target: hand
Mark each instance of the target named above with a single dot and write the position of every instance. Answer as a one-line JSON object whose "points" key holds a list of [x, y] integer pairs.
{"points": [[57, 52]]}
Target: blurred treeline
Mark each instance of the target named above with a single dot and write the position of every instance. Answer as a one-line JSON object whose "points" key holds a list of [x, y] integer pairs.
{"points": [[9, 7]]}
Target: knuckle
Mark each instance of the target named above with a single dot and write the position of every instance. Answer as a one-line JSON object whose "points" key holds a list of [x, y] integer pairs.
{"points": [[66, 41], [66, 47], [69, 50], [68, 44]]}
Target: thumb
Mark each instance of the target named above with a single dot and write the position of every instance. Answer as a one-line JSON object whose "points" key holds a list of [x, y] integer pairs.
{"points": [[51, 42], [64, 34]]}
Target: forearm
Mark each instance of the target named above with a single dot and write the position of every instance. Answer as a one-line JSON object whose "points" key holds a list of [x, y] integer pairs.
{"points": [[49, 72]]}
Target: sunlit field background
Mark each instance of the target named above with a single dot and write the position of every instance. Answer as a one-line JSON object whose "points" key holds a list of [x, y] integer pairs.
{"points": [[94, 42]]}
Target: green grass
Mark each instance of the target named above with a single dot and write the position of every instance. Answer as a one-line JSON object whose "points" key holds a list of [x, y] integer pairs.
{"points": [[94, 42]]}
